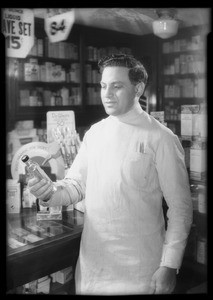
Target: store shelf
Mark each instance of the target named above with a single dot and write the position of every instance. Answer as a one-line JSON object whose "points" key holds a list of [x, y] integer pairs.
{"points": [[183, 73], [184, 100], [44, 58], [188, 51], [29, 112], [186, 75], [48, 84], [193, 181], [172, 121], [93, 84], [82, 37], [182, 62]]}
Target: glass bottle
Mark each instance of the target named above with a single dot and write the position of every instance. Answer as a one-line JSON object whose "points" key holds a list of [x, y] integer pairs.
{"points": [[36, 171], [58, 99]]}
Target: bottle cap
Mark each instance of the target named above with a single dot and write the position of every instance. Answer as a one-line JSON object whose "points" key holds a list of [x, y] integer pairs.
{"points": [[25, 158]]}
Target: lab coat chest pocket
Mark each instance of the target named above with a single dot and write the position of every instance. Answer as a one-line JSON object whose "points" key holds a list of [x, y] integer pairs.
{"points": [[137, 169]]}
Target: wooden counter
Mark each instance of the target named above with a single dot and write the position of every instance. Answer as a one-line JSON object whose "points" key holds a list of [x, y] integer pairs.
{"points": [[56, 249], [53, 253]]}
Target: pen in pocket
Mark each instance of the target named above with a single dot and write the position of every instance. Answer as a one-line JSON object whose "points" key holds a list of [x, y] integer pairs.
{"points": [[141, 147]]}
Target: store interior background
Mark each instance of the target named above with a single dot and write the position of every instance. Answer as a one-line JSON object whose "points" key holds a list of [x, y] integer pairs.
{"points": [[167, 91], [116, 27]]}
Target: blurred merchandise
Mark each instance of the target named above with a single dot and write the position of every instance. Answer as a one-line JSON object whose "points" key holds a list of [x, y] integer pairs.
{"points": [[13, 196]]}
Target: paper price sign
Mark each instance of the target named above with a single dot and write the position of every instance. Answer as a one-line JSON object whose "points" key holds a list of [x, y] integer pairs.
{"points": [[18, 29], [58, 27]]}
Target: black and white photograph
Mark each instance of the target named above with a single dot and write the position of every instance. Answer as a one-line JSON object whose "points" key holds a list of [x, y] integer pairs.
{"points": [[106, 150]]}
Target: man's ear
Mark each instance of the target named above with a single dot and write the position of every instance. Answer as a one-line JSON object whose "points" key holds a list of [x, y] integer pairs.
{"points": [[139, 89]]}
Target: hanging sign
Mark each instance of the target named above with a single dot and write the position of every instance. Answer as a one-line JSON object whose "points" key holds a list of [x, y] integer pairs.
{"points": [[18, 29], [58, 27]]}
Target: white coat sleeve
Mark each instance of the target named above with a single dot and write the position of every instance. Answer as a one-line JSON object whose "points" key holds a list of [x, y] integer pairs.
{"points": [[174, 182], [71, 189]]}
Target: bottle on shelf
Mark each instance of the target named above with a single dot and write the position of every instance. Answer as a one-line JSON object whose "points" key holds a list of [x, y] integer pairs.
{"points": [[35, 170], [58, 99], [53, 99]]}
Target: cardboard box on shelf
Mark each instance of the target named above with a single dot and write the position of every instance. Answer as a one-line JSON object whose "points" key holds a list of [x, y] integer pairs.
{"points": [[193, 121], [158, 115], [13, 196], [198, 166], [44, 286], [64, 275]]}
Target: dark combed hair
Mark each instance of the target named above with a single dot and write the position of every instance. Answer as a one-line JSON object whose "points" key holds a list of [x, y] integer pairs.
{"points": [[137, 72]]}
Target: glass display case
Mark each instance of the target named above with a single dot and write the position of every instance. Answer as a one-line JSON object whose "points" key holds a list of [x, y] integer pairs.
{"points": [[36, 248]]}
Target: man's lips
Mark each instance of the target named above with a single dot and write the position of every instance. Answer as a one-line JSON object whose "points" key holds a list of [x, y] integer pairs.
{"points": [[110, 102]]}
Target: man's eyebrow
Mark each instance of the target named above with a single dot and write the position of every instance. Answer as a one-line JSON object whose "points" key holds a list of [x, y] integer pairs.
{"points": [[114, 82]]}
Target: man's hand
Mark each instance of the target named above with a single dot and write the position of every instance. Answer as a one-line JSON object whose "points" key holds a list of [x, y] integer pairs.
{"points": [[163, 280], [41, 189]]}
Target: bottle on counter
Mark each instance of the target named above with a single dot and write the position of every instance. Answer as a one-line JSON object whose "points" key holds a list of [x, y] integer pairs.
{"points": [[202, 202], [201, 256], [28, 199], [35, 170]]}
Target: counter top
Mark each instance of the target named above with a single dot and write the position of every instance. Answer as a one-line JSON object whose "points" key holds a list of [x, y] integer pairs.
{"points": [[39, 248]]}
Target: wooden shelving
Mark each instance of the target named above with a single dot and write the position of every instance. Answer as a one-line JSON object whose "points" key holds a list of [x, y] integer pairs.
{"points": [[82, 37]]}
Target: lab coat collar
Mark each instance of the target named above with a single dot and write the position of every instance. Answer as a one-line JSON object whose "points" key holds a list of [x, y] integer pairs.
{"points": [[131, 116]]}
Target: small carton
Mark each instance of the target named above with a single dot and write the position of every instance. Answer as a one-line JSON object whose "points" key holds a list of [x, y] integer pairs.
{"points": [[44, 286], [43, 73], [158, 115], [27, 71], [64, 275], [198, 166], [188, 120], [49, 214], [13, 196]]}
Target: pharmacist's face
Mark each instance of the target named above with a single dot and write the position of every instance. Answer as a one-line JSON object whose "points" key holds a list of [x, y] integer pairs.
{"points": [[117, 92]]}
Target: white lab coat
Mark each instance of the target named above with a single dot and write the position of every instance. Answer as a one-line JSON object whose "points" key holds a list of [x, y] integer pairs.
{"points": [[124, 167]]}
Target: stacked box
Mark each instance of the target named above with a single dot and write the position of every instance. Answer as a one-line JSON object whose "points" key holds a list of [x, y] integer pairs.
{"points": [[188, 120], [198, 166], [158, 115], [64, 275], [13, 196], [48, 66], [24, 97], [43, 73], [34, 69], [27, 71]]}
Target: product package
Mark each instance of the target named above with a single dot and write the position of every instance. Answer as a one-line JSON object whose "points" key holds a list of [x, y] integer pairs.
{"points": [[13, 196], [198, 166], [189, 123], [64, 275], [53, 213]]}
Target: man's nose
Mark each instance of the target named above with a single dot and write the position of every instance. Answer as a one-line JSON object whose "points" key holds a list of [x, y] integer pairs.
{"points": [[108, 92]]}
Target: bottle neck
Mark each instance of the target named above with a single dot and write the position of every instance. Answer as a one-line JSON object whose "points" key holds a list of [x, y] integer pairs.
{"points": [[30, 165]]}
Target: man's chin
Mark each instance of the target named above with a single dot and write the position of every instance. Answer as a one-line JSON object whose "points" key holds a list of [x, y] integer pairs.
{"points": [[111, 112]]}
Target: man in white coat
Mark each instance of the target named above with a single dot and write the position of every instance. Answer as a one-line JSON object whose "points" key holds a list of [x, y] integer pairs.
{"points": [[126, 164]]}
